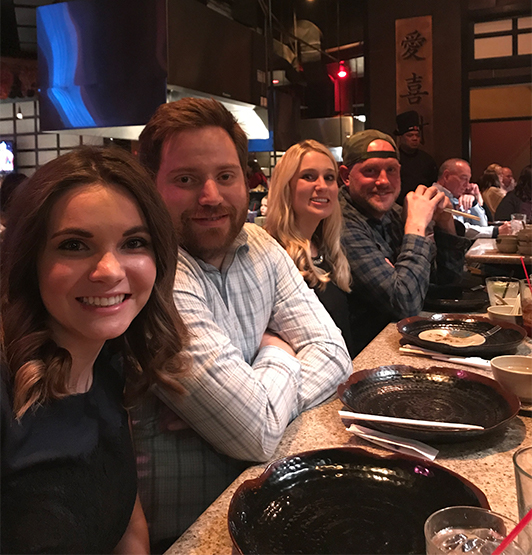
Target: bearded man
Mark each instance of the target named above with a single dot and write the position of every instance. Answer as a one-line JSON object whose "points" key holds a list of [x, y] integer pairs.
{"points": [[263, 348], [393, 251]]}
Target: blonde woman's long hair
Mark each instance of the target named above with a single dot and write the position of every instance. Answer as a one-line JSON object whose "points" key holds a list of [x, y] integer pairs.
{"points": [[281, 223]]}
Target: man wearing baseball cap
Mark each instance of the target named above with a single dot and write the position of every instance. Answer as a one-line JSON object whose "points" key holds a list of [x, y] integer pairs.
{"points": [[417, 166], [392, 250]]}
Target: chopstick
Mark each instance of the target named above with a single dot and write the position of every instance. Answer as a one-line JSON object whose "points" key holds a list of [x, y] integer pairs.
{"points": [[464, 214], [407, 421], [476, 362]]}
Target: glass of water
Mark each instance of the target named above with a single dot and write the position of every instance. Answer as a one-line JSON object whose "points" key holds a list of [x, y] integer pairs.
{"points": [[459, 530], [518, 222], [523, 479], [502, 290]]}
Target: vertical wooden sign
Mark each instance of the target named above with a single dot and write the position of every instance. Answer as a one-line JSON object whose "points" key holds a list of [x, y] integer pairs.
{"points": [[413, 72]]}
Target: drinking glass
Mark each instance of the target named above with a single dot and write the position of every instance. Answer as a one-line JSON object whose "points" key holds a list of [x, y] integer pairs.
{"points": [[526, 306], [523, 479], [472, 530], [518, 222], [502, 290]]}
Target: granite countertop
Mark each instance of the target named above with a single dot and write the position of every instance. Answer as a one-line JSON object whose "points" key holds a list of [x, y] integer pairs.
{"points": [[484, 251], [486, 462]]}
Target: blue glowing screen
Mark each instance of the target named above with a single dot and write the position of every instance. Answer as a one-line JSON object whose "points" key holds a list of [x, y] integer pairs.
{"points": [[102, 63]]}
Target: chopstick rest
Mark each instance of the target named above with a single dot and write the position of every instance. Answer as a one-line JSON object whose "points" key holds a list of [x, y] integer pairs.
{"points": [[426, 424], [395, 443]]}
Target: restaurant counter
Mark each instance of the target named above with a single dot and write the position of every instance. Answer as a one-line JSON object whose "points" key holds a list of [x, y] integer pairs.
{"points": [[486, 462]]}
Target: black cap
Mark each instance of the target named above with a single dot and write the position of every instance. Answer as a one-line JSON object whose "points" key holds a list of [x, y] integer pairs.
{"points": [[408, 121]]}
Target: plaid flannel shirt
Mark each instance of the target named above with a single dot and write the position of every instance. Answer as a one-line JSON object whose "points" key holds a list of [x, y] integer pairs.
{"points": [[390, 270]]}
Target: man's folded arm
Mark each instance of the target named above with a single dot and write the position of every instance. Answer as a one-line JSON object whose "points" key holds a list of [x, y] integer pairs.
{"points": [[240, 410], [303, 322], [398, 289]]}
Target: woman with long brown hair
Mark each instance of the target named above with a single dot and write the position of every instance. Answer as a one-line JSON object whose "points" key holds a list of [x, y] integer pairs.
{"points": [[88, 264], [304, 215]]}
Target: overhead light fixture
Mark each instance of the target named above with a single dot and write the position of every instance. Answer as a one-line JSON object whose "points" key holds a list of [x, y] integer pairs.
{"points": [[20, 115], [342, 71]]}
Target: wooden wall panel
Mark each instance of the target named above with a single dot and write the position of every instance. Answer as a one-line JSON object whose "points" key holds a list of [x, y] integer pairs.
{"points": [[450, 105]]}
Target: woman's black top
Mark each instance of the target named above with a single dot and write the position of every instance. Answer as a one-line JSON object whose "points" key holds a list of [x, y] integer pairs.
{"points": [[68, 470], [512, 204], [335, 300]]}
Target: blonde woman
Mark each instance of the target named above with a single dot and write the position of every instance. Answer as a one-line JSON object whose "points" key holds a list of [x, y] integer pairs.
{"points": [[305, 217]]}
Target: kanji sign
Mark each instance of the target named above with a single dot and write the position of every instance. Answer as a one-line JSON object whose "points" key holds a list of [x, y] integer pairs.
{"points": [[414, 86], [411, 44], [413, 63]]}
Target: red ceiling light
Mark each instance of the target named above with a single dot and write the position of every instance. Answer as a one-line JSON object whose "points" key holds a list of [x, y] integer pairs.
{"points": [[275, 81], [342, 72]]}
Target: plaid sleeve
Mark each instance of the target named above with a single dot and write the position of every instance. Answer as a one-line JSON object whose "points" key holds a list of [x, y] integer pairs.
{"points": [[397, 289], [450, 256], [241, 408]]}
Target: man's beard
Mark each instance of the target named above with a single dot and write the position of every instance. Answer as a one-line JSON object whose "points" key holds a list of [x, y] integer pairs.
{"points": [[210, 243]]}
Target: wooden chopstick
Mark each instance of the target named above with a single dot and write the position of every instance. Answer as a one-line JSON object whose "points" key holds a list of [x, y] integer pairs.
{"points": [[407, 421], [464, 214]]}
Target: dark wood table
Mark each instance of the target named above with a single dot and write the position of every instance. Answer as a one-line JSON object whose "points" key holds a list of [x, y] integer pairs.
{"points": [[484, 251]]}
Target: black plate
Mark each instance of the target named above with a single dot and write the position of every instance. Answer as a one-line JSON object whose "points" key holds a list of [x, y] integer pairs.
{"points": [[342, 501], [503, 342], [453, 298], [437, 394]]}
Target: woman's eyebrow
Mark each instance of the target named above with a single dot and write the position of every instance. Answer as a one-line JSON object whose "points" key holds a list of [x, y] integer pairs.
{"points": [[136, 229], [73, 231]]}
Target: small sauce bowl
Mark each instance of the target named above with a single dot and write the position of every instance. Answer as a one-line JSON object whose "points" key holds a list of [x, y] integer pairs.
{"points": [[514, 372]]}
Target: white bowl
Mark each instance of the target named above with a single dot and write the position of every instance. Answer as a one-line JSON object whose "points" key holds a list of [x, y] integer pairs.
{"points": [[504, 314], [514, 372]]}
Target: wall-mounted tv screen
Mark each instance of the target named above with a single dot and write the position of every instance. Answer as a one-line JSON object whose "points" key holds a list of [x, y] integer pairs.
{"points": [[7, 156]]}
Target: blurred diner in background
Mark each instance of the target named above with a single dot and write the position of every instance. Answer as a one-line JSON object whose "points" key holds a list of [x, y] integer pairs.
{"points": [[491, 189], [518, 200]]}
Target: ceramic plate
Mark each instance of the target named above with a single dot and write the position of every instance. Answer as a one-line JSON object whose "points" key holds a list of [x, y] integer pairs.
{"points": [[503, 342], [436, 394], [342, 501]]}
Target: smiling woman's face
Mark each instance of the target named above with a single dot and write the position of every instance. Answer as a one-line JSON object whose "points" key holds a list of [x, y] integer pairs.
{"points": [[97, 268], [314, 187]]}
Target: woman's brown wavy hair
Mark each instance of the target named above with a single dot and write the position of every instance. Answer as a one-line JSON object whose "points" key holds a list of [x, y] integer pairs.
{"points": [[151, 348]]}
